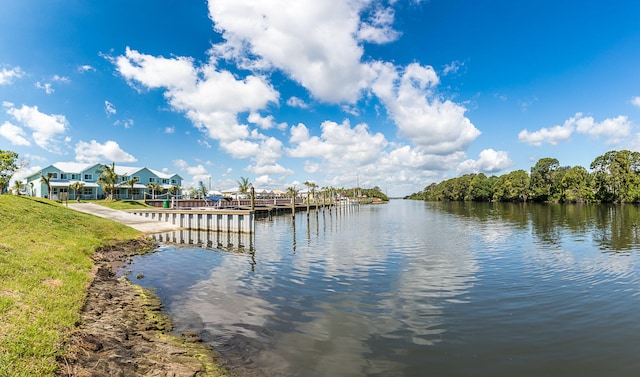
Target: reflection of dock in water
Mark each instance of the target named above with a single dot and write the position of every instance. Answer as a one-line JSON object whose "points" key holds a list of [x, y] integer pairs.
{"points": [[228, 241]]}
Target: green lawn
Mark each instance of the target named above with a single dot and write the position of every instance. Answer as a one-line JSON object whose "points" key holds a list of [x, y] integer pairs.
{"points": [[45, 269], [121, 204]]}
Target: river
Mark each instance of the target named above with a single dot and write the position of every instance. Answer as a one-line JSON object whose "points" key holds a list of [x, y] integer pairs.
{"points": [[414, 289]]}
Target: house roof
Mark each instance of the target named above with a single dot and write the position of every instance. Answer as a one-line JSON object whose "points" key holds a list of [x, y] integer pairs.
{"points": [[73, 167], [126, 170]]}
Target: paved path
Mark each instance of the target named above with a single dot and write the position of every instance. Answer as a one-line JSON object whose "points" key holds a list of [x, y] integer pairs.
{"points": [[136, 222]]}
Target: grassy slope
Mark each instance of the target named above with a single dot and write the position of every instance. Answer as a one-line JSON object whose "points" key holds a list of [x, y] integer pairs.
{"points": [[45, 269]]}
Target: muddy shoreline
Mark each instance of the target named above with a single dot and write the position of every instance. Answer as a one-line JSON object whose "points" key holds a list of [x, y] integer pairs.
{"points": [[123, 331]]}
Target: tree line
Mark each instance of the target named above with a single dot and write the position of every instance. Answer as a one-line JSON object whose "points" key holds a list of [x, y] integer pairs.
{"points": [[614, 177]]}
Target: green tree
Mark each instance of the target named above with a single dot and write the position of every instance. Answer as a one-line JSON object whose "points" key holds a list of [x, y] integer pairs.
{"points": [[202, 191], [154, 187], [576, 185], [131, 183], [9, 164], [77, 187], [17, 186], [292, 191], [513, 186], [616, 176], [480, 188], [108, 178], [311, 187], [46, 179], [542, 177], [243, 187], [174, 189]]}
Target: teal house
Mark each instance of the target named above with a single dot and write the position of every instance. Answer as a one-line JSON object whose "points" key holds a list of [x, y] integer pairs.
{"points": [[147, 183]]}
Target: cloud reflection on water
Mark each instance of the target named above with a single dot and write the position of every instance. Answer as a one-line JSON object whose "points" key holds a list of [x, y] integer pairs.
{"points": [[327, 294]]}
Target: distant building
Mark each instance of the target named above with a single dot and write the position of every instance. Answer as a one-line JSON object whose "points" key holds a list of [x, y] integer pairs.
{"points": [[64, 174]]}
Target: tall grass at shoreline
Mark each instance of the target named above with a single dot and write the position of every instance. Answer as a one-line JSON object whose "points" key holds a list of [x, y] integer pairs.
{"points": [[45, 270]]}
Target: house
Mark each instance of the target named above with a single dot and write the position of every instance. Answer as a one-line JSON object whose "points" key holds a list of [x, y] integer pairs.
{"points": [[64, 174]]}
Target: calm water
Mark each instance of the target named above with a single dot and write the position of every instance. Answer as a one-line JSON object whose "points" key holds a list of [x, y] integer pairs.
{"points": [[415, 289]]}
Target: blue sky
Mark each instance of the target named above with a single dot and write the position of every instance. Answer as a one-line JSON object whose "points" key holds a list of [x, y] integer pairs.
{"points": [[396, 94]]}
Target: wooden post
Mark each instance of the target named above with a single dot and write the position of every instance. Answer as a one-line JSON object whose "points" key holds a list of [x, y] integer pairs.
{"points": [[253, 198]]}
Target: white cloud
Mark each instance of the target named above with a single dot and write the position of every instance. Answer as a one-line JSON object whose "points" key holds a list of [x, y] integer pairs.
{"points": [[635, 101], [264, 123], [415, 159], [454, 67], [490, 161], [294, 101], [61, 79], [321, 35], [378, 27], [615, 130], [47, 128], [339, 144], [169, 129], [552, 135], [126, 123], [109, 109], [14, 134], [267, 170], [210, 98], [180, 164], [311, 167], [7, 76], [85, 68], [204, 143], [47, 87], [439, 127], [197, 170], [94, 152]]}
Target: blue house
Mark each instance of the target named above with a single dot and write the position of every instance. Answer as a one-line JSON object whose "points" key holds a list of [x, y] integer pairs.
{"points": [[64, 174]]}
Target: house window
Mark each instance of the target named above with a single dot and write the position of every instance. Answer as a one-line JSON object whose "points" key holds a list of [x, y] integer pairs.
{"points": [[54, 175], [63, 176], [150, 180], [88, 177], [165, 181], [75, 176], [136, 178], [173, 182], [87, 191]]}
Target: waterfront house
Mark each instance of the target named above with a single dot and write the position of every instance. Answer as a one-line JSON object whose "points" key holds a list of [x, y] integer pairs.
{"points": [[64, 174]]}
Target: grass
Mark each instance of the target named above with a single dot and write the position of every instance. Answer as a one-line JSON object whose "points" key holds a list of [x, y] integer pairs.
{"points": [[121, 204], [45, 270]]}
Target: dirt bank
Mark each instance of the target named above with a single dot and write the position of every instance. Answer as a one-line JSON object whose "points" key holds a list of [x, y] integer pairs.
{"points": [[123, 332]]}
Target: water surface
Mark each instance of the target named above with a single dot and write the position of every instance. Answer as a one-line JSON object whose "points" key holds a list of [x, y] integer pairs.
{"points": [[414, 289]]}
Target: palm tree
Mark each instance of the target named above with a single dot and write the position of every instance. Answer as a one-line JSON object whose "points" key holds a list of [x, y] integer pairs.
{"points": [[131, 183], [153, 187], [17, 185], [47, 181], [77, 187], [174, 189], [108, 178], [243, 187], [293, 191]]}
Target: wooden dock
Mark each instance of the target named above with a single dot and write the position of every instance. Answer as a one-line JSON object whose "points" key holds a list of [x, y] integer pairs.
{"points": [[215, 220]]}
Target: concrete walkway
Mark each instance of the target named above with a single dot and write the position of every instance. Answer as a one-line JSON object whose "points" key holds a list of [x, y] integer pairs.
{"points": [[134, 221]]}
